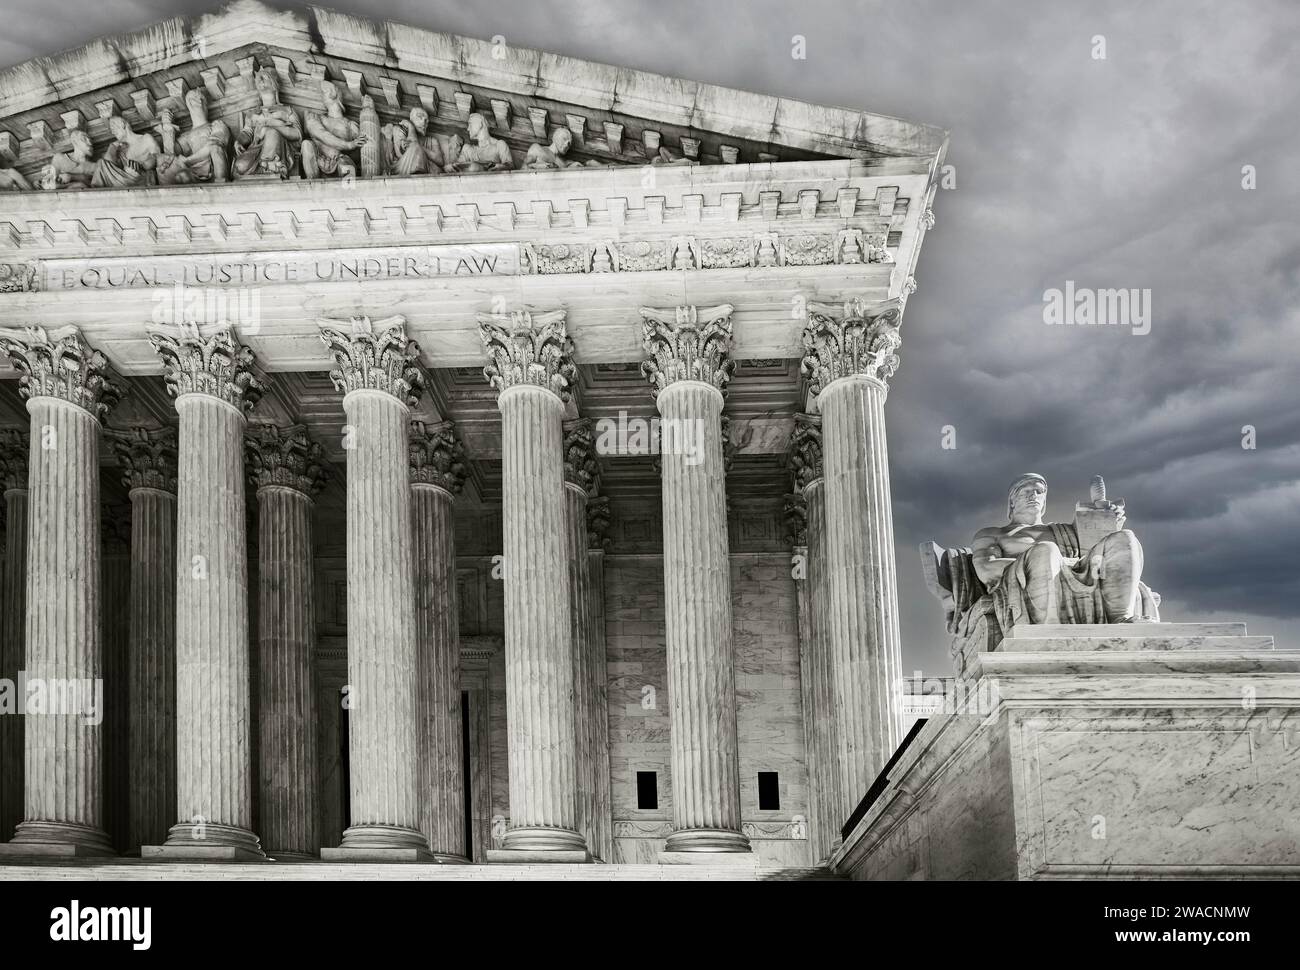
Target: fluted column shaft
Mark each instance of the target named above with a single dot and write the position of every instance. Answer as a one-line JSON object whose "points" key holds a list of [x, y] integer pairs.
{"points": [[63, 803], [152, 666], [539, 658], [288, 768], [823, 740], [383, 667], [602, 845], [442, 787], [697, 604], [13, 648], [213, 716], [584, 672], [861, 595]]}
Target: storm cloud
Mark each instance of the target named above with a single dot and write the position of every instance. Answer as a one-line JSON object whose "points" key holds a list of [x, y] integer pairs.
{"points": [[1125, 172]]}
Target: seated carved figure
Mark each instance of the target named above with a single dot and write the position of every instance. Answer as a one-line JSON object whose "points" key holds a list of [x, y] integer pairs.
{"points": [[482, 153], [1034, 572]]}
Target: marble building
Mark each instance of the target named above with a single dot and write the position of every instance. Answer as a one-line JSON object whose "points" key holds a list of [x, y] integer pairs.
{"points": [[441, 451]]}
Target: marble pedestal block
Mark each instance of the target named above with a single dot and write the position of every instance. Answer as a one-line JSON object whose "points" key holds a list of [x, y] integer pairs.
{"points": [[1141, 751]]}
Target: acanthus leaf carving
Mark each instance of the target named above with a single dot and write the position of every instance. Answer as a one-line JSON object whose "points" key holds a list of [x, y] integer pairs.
{"points": [[148, 459], [286, 457], [687, 344], [805, 456], [15, 449], [855, 338], [374, 356], [207, 359], [61, 364], [528, 348], [437, 456], [581, 466]]}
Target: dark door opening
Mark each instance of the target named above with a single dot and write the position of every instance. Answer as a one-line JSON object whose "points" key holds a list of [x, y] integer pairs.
{"points": [[466, 774]]}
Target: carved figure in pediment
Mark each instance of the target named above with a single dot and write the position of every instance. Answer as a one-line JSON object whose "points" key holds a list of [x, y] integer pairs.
{"points": [[667, 157], [269, 134], [131, 159], [331, 135], [72, 169], [483, 153], [201, 154], [410, 148], [12, 179], [554, 155]]}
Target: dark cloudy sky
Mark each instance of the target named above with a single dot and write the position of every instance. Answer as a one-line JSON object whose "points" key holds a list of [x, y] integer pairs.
{"points": [[1123, 172]]}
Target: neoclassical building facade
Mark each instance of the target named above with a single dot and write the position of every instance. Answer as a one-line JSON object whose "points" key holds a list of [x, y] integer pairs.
{"points": [[427, 449]]}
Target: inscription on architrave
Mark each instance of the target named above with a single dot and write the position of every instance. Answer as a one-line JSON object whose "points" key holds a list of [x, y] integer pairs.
{"points": [[267, 269]]}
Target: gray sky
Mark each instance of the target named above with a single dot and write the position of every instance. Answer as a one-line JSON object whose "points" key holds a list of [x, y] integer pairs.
{"points": [[1122, 172]]}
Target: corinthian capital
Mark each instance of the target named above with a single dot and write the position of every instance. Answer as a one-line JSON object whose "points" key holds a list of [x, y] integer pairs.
{"points": [[849, 339], [148, 458], [581, 466], [687, 344], [374, 356], [207, 359], [284, 456], [806, 450], [437, 457], [598, 522], [60, 364], [15, 446], [528, 348]]}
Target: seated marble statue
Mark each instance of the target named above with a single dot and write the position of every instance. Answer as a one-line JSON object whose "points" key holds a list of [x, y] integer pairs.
{"points": [[482, 153], [410, 148], [201, 154], [72, 169], [1034, 572], [132, 158], [270, 134], [554, 155], [332, 135]]}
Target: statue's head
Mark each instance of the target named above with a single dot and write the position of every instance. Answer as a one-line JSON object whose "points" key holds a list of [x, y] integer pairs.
{"points": [[196, 103], [329, 93], [561, 141], [1026, 499], [268, 86], [476, 125], [420, 120], [118, 126], [81, 143]]}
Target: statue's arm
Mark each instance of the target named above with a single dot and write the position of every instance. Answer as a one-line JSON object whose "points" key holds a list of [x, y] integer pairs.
{"points": [[987, 558]]}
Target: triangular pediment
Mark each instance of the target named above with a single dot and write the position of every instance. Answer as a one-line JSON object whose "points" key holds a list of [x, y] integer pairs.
{"points": [[615, 116]]}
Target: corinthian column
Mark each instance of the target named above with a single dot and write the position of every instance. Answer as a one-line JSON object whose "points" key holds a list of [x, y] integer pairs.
{"points": [[210, 374], [148, 462], [67, 394], [437, 476], [14, 448], [530, 365], [815, 662], [378, 371], [597, 523], [849, 355], [287, 470], [688, 365], [581, 480]]}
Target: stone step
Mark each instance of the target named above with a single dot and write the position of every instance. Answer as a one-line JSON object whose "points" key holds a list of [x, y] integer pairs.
{"points": [[138, 870], [1164, 642], [1051, 630]]}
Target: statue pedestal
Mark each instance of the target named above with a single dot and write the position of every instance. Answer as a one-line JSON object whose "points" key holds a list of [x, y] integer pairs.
{"points": [[1158, 750]]}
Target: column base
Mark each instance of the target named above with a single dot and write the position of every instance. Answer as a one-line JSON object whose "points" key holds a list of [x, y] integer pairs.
{"points": [[64, 840], [380, 843], [720, 841], [206, 842]]}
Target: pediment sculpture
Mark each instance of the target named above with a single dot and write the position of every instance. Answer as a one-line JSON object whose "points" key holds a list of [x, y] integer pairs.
{"points": [[1034, 572]]}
